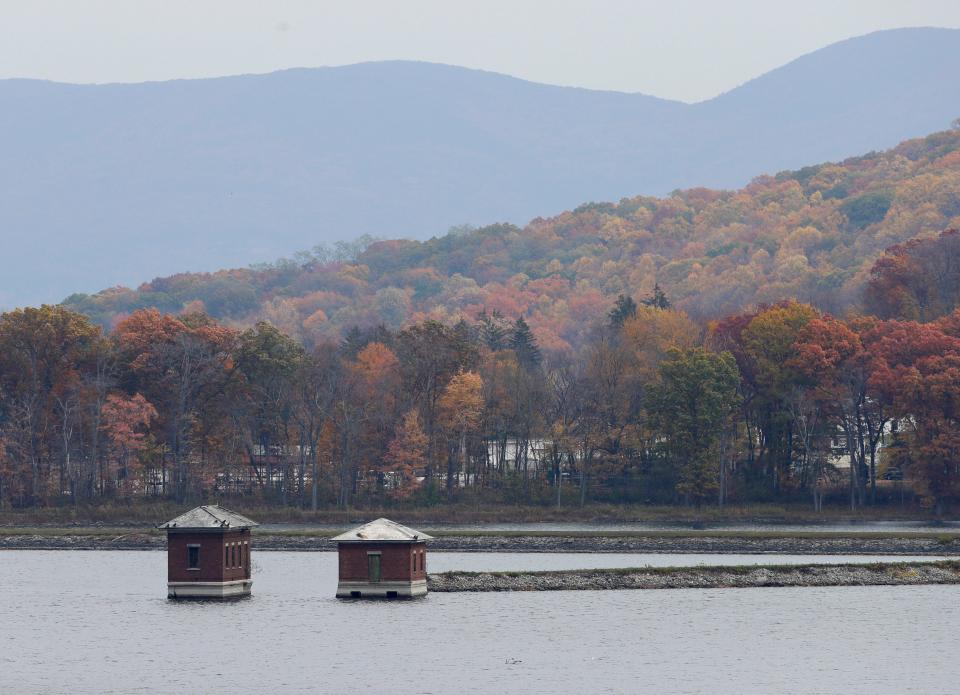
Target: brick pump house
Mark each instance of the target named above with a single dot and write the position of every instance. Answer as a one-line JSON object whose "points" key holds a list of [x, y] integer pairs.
{"points": [[382, 559], [208, 554]]}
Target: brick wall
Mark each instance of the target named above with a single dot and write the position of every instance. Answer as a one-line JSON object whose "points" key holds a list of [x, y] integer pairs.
{"points": [[215, 564], [396, 561]]}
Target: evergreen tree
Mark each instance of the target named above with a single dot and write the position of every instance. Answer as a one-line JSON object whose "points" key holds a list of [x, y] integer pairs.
{"points": [[658, 299], [493, 330], [624, 309], [524, 344], [358, 338], [466, 336], [352, 342]]}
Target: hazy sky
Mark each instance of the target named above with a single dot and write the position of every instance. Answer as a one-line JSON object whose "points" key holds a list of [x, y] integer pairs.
{"points": [[680, 49]]}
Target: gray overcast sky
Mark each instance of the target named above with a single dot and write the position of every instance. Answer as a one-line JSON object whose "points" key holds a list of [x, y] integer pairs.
{"points": [[680, 49]]}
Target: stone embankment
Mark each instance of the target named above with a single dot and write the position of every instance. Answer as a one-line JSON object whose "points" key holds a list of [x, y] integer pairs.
{"points": [[691, 542], [695, 542], [13, 539], [700, 577]]}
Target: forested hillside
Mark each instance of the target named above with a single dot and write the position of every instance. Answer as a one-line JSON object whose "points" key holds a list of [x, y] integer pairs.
{"points": [[115, 184], [795, 340], [811, 234], [781, 403]]}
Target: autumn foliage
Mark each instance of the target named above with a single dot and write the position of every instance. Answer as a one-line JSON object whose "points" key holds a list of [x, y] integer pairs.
{"points": [[796, 340], [813, 234], [782, 402]]}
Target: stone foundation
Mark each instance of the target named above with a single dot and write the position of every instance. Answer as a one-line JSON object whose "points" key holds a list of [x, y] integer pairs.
{"points": [[234, 589], [354, 589]]}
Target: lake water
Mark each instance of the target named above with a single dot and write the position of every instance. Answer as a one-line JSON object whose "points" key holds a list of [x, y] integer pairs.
{"points": [[99, 622]]}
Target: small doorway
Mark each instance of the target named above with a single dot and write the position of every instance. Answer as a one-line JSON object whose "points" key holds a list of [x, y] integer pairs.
{"points": [[373, 567]]}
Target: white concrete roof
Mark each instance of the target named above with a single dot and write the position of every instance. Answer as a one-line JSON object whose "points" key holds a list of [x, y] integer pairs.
{"points": [[211, 516], [383, 530]]}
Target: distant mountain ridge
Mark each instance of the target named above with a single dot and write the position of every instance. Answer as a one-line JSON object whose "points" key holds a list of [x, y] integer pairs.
{"points": [[114, 184]]}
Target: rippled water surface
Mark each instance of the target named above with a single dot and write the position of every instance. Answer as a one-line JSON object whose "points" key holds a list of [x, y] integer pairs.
{"points": [[95, 622]]}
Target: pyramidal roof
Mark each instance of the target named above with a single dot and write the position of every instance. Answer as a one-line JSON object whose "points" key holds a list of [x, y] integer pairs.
{"points": [[383, 530], [210, 516]]}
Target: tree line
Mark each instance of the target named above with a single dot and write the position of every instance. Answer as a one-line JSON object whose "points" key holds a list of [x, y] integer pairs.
{"points": [[780, 403]]}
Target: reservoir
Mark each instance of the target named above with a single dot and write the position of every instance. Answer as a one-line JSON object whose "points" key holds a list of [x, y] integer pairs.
{"points": [[100, 622]]}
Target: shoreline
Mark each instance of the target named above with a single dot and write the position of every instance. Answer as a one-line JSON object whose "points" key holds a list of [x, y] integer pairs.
{"points": [[799, 543], [139, 515], [893, 574]]}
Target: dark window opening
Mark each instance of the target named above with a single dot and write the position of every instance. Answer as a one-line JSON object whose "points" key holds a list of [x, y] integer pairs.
{"points": [[354, 594], [193, 557], [391, 594]]}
